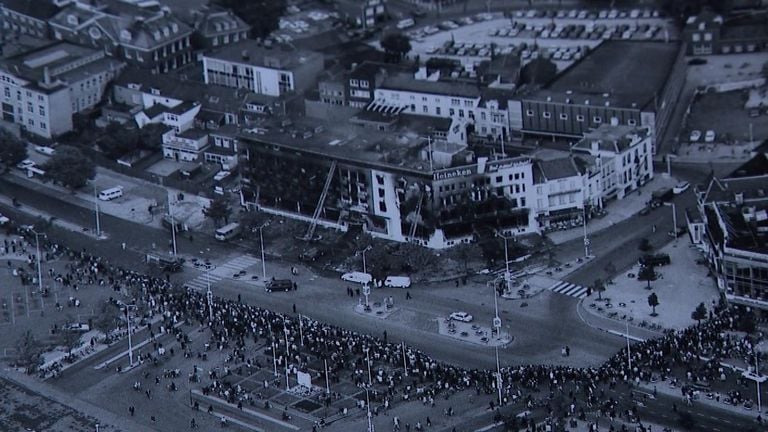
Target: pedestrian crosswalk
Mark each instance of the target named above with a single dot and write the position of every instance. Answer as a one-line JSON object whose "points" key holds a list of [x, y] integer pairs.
{"points": [[234, 265], [222, 271], [200, 283], [569, 289]]}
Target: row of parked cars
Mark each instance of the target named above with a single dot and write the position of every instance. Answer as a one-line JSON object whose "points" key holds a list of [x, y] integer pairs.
{"points": [[586, 14], [709, 136], [578, 31], [447, 25]]}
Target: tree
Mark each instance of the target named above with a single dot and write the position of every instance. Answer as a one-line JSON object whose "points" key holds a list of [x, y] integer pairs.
{"points": [[12, 150], [262, 15], [28, 351], [699, 313], [150, 137], [647, 273], [69, 339], [118, 140], [396, 46], [417, 258], [653, 301], [107, 317], [219, 210], [69, 167], [538, 71], [598, 286], [645, 245]]}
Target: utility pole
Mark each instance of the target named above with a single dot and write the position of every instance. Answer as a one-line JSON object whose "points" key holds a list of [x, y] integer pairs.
{"points": [[39, 270], [586, 238], [130, 343], [173, 224], [327, 383], [263, 261], [497, 326], [405, 364], [629, 352], [96, 204], [368, 405]]}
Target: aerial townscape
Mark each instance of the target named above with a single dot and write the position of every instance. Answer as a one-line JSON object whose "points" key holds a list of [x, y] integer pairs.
{"points": [[383, 215]]}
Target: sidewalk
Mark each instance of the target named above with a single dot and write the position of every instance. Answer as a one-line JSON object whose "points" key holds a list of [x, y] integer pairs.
{"points": [[109, 421], [617, 211], [681, 287]]}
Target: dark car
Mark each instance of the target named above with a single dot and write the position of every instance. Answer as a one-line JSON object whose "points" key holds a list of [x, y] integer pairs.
{"points": [[311, 255], [655, 260], [279, 285]]}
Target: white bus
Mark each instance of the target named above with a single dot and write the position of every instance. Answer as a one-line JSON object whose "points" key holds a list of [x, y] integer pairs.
{"points": [[111, 193], [228, 232]]}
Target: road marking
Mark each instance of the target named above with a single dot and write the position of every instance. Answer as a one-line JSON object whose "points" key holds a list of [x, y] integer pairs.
{"points": [[569, 289]]}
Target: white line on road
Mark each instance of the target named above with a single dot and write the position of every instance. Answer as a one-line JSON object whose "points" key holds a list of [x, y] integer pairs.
{"points": [[489, 427]]}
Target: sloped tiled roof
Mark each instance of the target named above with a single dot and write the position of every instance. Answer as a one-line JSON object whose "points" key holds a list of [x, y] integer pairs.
{"points": [[39, 9], [554, 169]]}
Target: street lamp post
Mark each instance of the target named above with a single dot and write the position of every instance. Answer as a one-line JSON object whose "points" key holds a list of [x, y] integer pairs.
{"points": [[208, 293], [507, 274], [130, 343], [366, 292], [497, 326], [96, 204], [674, 219], [365, 268], [368, 405], [263, 261], [586, 238], [368, 359], [173, 224], [39, 269]]}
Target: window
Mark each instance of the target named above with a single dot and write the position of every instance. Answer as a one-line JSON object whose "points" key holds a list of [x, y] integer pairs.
{"points": [[41, 109], [499, 179], [382, 206], [529, 113], [546, 114], [696, 37], [708, 37], [597, 119], [632, 122], [30, 108], [451, 112], [461, 113], [482, 115], [579, 118], [563, 116], [354, 83], [437, 110], [364, 83], [456, 102], [425, 109], [43, 126]]}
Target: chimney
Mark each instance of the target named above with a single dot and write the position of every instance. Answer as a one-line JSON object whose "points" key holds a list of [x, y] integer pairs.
{"points": [[595, 146], [245, 55], [46, 76]]}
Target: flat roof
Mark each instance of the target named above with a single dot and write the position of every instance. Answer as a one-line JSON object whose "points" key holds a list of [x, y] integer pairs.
{"points": [[407, 82], [253, 53], [400, 148], [623, 73]]}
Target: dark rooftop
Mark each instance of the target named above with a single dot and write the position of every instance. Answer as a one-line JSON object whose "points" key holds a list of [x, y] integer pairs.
{"points": [[618, 72], [253, 53], [39, 9], [757, 166], [406, 82], [554, 169], [611, 138]]}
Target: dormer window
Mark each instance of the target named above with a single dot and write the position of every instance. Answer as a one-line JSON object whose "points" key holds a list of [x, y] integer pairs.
{"points": [[166, 31], [154, 91], [156, 35], [125, 35], [174, 27]]}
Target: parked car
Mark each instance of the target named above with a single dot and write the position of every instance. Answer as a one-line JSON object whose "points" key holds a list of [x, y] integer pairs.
{"points": [[461, 316], [681, 187], [709, 136], [358, 277], [695, 136], [25, 164], [655, 260]]}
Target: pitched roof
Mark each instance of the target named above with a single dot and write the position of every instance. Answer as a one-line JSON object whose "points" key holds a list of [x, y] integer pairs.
{"points": [[252, 52], [554, 169], [214, 20], [611, 138]]}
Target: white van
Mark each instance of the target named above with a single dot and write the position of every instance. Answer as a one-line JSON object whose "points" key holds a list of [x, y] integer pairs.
{"points": [[397, 282], [111, 193], [358, 277], [227, 232], [405, 23], [45, 150]]}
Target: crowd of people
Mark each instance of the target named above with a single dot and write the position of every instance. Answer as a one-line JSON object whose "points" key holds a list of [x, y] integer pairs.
{"points": [[399, 372]]}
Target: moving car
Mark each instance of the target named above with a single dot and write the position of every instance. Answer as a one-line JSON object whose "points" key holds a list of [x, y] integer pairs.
{"points": [[279, 285], [695, 136], [461, 316], [681, 187], [709, 136]]}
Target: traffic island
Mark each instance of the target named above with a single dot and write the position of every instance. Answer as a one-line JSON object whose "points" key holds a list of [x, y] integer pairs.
{"points": [[473, 333], [380, 310]]}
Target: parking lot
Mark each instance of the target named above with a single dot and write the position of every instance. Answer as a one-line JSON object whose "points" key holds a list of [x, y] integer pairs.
{"points": [[723, 114], [564, 35]]}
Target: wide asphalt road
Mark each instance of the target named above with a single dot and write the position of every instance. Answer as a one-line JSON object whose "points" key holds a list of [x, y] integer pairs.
{"points": [[540, 331]]}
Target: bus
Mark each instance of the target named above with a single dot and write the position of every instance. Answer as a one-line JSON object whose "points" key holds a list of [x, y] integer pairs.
{"points": [[228, 232]]}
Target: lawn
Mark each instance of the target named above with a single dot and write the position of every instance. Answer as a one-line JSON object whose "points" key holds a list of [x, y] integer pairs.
{"points": [[725, 114]]}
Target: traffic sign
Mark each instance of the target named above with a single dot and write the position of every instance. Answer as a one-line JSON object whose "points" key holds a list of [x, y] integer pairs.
{"points": [[497, 322], [586, 241]]}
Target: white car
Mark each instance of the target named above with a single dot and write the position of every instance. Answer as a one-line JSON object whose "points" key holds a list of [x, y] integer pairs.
{"points": [[461, 316], [25, 164], [695, 136], [681, 187], [709, 136], [358, 277]]}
